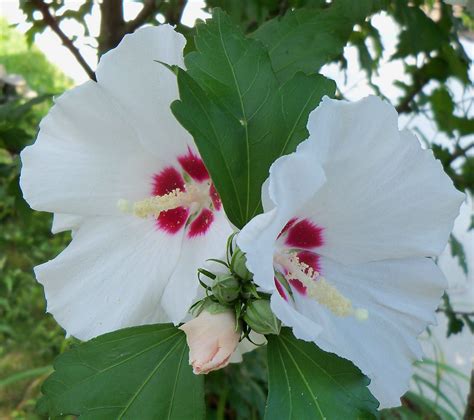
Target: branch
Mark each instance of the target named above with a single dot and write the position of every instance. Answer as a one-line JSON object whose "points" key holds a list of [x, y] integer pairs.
{"points": [[459, 152], [112, 25], [469, 414], [452, 311], [149, 8], [175, 12], [50, 20], [283, 7], [404, 106]]}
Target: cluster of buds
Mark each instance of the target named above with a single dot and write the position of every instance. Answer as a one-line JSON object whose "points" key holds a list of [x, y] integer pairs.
{"points": [[234, 289], [231, 310]]}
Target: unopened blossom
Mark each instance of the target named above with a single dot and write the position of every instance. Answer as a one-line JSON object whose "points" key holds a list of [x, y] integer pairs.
{"points": [[350, 219], [212, 339], [115, 166]]}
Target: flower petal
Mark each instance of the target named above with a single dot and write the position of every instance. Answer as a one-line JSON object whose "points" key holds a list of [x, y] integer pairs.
{"points": [[212, 339], [86, 157], [384, 197], [401, 297], [304, 327], [63, 222], [183, 285], [111, 276], [293, 180], [133, 74]]}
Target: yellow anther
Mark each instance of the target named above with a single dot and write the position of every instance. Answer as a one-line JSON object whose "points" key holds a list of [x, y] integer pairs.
{"points": [[327, 295], [153, 206], [318, 288]]}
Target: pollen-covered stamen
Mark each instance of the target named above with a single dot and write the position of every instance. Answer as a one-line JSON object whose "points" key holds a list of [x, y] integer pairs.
{"points": [[316, 286], [193, 196], [179, 199]]}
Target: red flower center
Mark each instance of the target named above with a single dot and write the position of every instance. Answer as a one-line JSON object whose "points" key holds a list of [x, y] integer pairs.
{"points": [[197, 218], [300, 239]]}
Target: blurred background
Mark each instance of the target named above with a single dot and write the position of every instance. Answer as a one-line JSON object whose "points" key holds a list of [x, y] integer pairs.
{"points": [[417, 54]]}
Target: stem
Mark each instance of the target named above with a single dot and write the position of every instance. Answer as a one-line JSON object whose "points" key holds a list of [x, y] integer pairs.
{"points": [[220, 413], [469, 414], [50, 20]]}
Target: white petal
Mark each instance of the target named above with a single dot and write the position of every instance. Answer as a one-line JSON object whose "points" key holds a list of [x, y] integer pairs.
{"points": [[304, 327], [258, 237], [257, 240], [63, 222], [111, 276], [284, 187], [86, 157], [132, 74], [183, 286], [401, 297], [267, 202], [384, 197]]}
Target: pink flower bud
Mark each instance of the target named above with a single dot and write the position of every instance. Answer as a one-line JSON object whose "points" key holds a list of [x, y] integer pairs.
{"points": [[212, 338]]}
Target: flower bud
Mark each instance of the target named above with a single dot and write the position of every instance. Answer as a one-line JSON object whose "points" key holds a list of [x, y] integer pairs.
{"points": [[260, 318], [238, 265], [226, 288], [212, 339]]}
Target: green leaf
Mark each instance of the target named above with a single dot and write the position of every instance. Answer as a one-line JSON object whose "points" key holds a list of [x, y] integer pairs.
{"points": [[241, 119], [308, 383], [306, 39], [25, 374], [134, 373], [240, 388], [418, 407], [455, 324], [5, 157], [440, 396], [457, 251], [443, 113], [415, 21], [469, 321]]}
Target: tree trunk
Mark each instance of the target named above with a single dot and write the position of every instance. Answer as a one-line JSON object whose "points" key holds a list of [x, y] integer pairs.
{"points": [[469, 415], [112, 25]]}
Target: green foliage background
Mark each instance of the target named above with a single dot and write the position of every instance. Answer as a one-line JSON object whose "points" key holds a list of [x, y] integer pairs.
{"points": [[30, 340]]}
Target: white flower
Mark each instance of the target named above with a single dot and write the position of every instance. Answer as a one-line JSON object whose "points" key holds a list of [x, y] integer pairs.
{"points": [[349, 221], [115, 166], [212, 340]]}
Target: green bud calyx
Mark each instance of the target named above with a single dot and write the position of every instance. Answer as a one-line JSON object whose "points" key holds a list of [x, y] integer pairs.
{"points": [[238, 265], [226, 288], [260, 318], [233, 289]]}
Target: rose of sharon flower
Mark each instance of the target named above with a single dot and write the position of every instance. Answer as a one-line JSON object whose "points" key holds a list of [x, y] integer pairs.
{"points": [[349, 220], [212, 340], [114, 165]]}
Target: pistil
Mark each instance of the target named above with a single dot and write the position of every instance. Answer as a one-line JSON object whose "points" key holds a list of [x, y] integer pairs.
{"points": [[317, 287], [153, 206]]}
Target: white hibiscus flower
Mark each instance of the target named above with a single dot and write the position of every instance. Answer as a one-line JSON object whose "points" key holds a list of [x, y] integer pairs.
{"points": [[349, 221], [116, 141]]}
